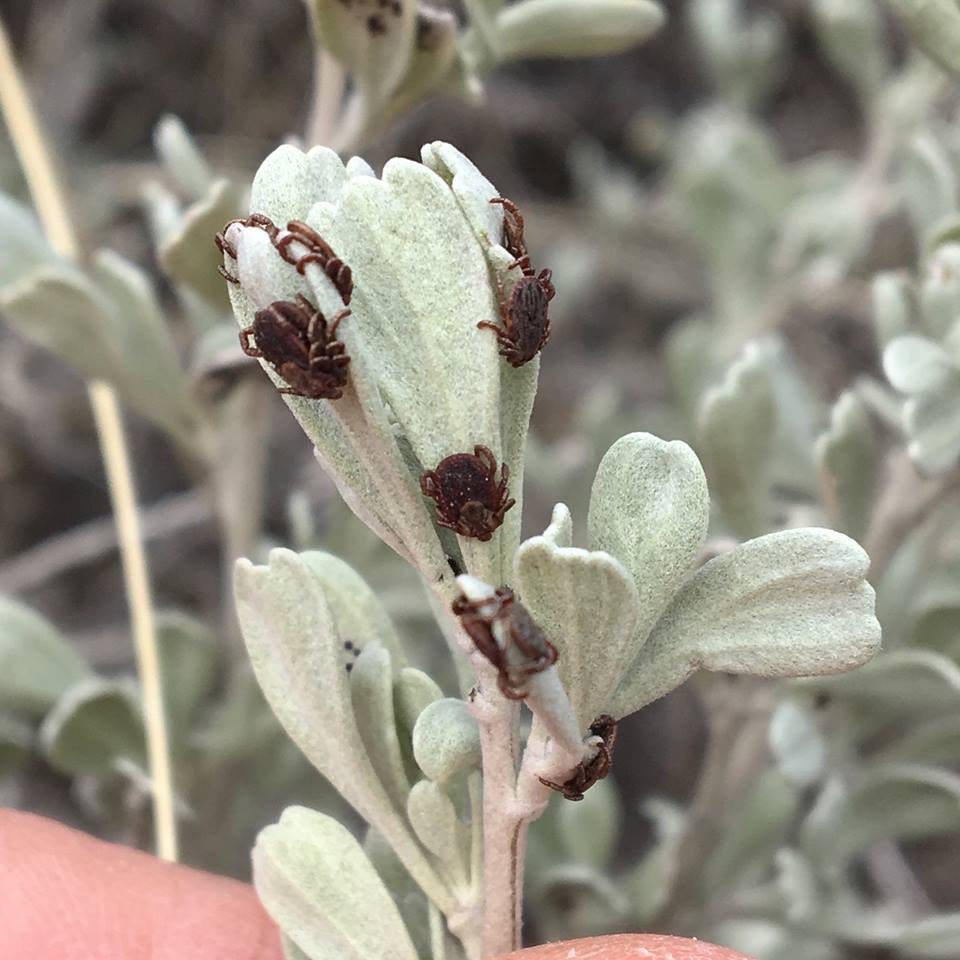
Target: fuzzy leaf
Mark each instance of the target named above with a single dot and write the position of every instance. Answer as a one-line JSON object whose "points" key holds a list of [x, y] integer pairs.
{"points": [[847, 456], [587, 604], [414, 691], [180, 155], [23, 245], [189, 255], [933, 427], [435, 822], [574, 28], [935, 28], [37, 664], [649, 509], [298, 656], [95, 724], [651, 882], [359, 614], [891, 801], [892, 308], [318, 885], [446, 740], [591, 828], [190, 661], [737, 427], [289, 182], [789, 604], [759, 826], [371, 692], [16, 743], [915, 364], [796, 743]]}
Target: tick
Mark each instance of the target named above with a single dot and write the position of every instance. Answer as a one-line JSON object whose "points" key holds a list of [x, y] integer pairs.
{"points": [[469, 498], [589, 772], [259, 220], [319, 252], [296, 339], [526, 650], [524, 311]]}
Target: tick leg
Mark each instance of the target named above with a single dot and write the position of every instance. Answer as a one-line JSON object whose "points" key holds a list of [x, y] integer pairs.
{"points": [[247, 347], [337, 318]]}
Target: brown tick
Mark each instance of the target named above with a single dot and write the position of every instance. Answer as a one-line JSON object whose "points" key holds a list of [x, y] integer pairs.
{"points": [[526, 325], [468, 496], [226, 247], [319, 252], [296, 340], [590, 771], [527, 652]]}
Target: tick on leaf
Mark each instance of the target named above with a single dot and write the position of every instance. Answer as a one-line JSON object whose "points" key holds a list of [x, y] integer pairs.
{"points": [[319, 252], [526, 650], [469, 498], [588, 772], [296, 339], [524, 311], [226, 247]]}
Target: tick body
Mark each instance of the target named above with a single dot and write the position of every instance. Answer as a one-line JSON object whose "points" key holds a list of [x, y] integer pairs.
{"points": [[317, 250], [524, 314], [469, 498], [589, 772], [525, 649], [298, 342]]}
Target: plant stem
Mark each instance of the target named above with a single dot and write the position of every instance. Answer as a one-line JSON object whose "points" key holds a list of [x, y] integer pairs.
{"points": [[504, 830], [48, 198]]}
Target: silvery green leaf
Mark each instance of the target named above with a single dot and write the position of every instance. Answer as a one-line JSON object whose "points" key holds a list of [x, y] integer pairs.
{"points": [[577, 900], [371, 692], [935, 741], [374, 44], [649, 509], [289, 182], [357, 610], [651, 882], [107, 326], [190, 661], [16, 743], [917, 365], [407, 319], [889, 801], [446, 740], [574, 28], [436, 824], [94, 726], [591, 828], [902, 681], [797, 884], [318, 885], [737, 427], [934, 26], [939, 294], [189, 256], [742, 54], [414, 691], [935, 937], [933, 428], [790, 604], [893, 308], [432, 61], [298, 656], [22, 243], [757, 829], [689, 361], [181, 156], [37, 664], [587, 604], [796, 743], [852, 35], [847, 457], [929, 183]]}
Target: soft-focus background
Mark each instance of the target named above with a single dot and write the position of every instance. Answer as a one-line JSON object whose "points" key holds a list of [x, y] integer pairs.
{"points": [[582, 146]]}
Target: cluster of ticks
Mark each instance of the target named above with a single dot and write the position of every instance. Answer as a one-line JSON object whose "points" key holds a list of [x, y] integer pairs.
{"points": [[299, 342]]}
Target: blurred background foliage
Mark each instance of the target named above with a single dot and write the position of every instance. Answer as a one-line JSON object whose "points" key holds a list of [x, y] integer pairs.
{"points": [[753, 222]]}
